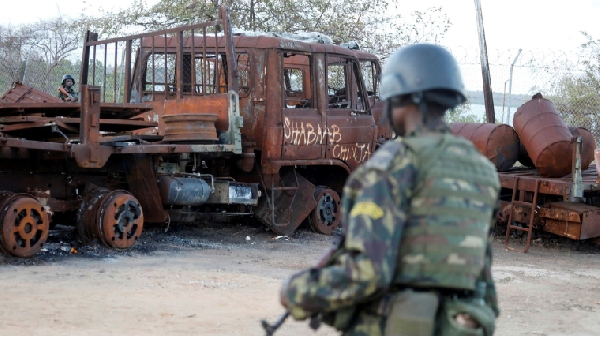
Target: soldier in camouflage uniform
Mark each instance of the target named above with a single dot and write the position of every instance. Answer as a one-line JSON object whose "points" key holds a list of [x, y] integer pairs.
{"points": [[417, 255], [67, 92]]}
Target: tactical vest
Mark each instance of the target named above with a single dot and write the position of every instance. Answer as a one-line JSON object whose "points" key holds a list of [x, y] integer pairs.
{"points": [[445, 237]]}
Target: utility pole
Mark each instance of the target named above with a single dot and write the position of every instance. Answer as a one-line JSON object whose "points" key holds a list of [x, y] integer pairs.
{"points": [[488, 98]]}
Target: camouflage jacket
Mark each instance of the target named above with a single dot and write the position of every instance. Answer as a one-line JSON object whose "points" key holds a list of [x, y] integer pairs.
{"points": [[374, 206]]}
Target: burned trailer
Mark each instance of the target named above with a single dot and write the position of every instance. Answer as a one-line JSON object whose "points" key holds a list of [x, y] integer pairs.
{"points": [[51, 156]]}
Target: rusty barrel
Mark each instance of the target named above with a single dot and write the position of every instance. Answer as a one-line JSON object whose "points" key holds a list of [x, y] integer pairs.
{"points": [[498, 142], [524, 159], [545, 137], [588, 145]]}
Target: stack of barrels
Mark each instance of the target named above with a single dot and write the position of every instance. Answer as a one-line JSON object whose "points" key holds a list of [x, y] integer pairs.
{"points": [[540, 139]]}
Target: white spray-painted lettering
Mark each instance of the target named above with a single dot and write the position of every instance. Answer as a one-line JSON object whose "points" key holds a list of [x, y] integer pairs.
{"points": [[304, 133], [359, 152]]}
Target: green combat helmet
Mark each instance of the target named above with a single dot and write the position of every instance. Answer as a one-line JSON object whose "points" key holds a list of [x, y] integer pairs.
{"points": [[422, 73], [67, 76]]}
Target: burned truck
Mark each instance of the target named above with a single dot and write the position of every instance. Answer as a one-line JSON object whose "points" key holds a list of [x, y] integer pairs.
{"points": [[185, 124]]}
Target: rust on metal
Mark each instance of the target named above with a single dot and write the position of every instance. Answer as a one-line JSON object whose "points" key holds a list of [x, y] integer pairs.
{"points": [[113, 217], [560, 194], [120, 220], [498, 142], [69, 125], [141, 180], [285, 207], [548, 186], [326, 217], [190, 128], [19, 93], [588, 146], [524, 158], [572, 220], [270, 127], [24, 224], [283, 121], [545, 137]]}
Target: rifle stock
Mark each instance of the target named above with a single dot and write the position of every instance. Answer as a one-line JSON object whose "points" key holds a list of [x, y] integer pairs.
{"points": [[64, 92]]}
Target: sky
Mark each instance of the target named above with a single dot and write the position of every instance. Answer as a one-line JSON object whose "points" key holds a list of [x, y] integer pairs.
{"points": [[527, 24]]}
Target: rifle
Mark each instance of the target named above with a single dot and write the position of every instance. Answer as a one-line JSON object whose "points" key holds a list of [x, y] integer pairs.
{"points": [[315, 323], [270, 329], [64, 92]]}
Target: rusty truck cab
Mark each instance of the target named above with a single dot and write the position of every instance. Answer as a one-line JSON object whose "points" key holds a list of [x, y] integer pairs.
{"points": [[315, 96], [307, 108]]}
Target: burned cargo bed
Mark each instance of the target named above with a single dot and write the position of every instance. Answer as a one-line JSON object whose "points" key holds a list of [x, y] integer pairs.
{"points": [[90, 131], [87, 163]]}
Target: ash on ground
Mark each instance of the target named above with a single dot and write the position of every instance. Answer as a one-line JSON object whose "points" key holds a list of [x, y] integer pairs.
{"points": [[62, 243]]}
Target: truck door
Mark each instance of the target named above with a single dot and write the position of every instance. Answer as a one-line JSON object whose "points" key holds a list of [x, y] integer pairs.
{"points": [[303, 137], [370, 72], [350, 125]]}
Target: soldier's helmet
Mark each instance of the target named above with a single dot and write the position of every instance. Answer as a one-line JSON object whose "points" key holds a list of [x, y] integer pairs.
{"points": [[428, 72], [67, 76]]}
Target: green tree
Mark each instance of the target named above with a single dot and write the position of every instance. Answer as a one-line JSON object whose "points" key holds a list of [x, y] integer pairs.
{"points": [[577, 94], [37, 52], [13, 42], [378, 26], [33, 53]]}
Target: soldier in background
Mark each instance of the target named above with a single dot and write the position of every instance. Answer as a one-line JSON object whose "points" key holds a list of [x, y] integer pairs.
{"points": [[417, 254], [66, 91]]}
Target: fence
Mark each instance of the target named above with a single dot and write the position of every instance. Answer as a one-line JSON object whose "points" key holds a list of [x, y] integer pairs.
{"points": [[559, 76]]}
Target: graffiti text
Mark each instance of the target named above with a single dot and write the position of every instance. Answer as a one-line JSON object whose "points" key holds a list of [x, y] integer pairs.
{"points": [[304, 133], [359, 152]]}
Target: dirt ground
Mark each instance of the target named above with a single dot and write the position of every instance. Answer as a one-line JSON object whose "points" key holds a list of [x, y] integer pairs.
{"points": [[223, 279]]}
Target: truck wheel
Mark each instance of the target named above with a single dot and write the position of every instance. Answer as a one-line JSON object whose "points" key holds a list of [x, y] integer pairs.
{"points": [[113, 217], [326, 216], [24, 225]]}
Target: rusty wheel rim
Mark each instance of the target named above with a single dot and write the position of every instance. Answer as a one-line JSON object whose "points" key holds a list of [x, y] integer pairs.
{"points": [[120, 220], [190, 127], [325, 218], [87, 222], [25, 226]]}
